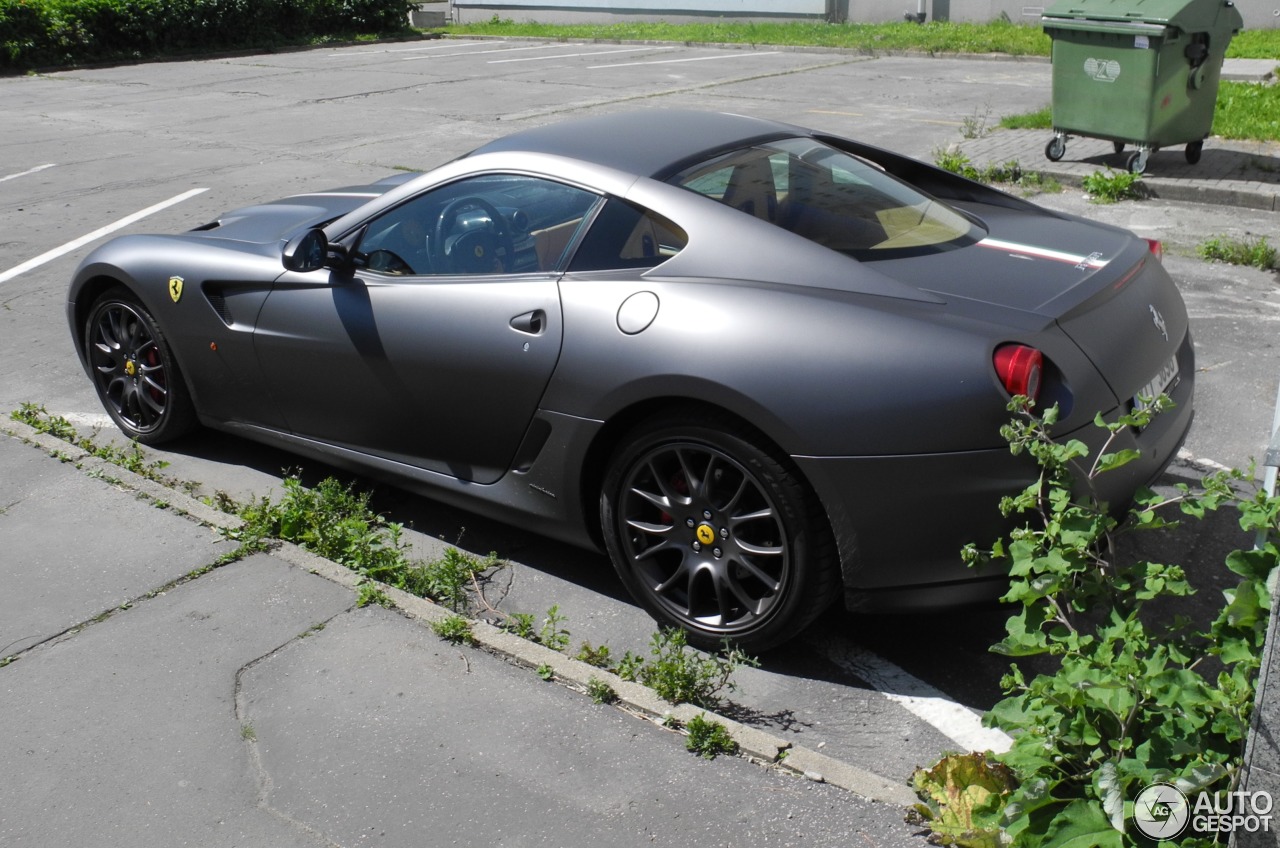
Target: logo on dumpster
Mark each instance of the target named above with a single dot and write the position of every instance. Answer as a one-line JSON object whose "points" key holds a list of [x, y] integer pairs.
{"points": [[1102, 70]]}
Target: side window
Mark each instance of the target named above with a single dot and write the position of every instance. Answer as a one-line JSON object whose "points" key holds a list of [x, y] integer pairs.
{"points": [[492, 224], [626, 236]]}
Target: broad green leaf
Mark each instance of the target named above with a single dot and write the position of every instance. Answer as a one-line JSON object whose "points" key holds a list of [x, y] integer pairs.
{"points": [[1082, 824]]}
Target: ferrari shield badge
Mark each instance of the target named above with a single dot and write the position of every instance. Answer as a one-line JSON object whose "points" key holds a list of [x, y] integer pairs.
{"points": [[175, 289]]}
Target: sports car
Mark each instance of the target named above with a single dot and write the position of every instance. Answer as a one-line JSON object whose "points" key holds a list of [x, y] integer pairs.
{"points": [[765, 368]]}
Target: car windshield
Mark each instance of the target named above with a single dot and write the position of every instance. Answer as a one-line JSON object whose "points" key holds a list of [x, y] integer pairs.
{"points": [[831, 197]]}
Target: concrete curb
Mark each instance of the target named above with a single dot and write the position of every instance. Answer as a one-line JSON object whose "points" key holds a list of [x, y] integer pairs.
{"points": [[634, 697]]}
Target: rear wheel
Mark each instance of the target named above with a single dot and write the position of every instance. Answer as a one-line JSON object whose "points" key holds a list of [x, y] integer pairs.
{"points": [[1193, 151], [134, 370], [714, 533]]}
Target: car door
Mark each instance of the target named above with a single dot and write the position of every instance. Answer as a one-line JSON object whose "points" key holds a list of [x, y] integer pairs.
{"points": [[436, 349]]}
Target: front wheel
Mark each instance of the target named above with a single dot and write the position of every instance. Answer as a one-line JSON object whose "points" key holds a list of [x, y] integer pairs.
{"points": [[1193, 151], [134, 370], [715, 534], [1055, 149]]}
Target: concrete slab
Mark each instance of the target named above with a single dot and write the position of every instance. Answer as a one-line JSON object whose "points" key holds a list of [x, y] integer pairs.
{"points": [[126, 733], [57, 523], [376, 729]]}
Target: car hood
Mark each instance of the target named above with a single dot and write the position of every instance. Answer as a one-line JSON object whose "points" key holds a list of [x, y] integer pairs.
{"points": [[272, 222]]}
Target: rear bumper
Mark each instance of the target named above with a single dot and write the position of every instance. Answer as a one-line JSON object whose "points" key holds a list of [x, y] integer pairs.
{"points": [[900, 521]]}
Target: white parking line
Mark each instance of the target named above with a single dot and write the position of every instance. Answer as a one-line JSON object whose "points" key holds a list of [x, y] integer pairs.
{"points": [[49, 256], [573, 55], [441, 46], [692, 59], [499, 50], [955, 721], [27, 172]]}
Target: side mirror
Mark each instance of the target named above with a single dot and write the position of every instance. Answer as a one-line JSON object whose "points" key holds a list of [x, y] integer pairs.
{"points": [[307, 251]]}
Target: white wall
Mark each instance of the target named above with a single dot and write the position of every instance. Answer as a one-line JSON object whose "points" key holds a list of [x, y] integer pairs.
{"points": [[1258, 14]]}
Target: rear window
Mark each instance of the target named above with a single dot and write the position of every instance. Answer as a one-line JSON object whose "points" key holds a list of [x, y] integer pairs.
{"points": [[831, 197]]}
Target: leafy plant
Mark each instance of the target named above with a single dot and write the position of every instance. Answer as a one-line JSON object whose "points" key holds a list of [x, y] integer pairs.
{"points": [[553, 633], [1134, 698], [1255, 252], [597, 656], [679, 674], [1010, 172], [371, 593], [546, 672], [446, 579], [1112, 186], [708, 738], [628, 668], [131, 458], [454, 628], [964, 797], [600, 692], [975, 125], [521, 624]]}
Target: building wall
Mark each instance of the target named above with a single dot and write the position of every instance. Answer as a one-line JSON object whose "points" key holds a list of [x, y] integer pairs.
{"points": [[1258, 14]]}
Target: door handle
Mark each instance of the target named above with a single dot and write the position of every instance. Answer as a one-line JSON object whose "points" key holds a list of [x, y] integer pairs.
{"points": [[532, 323]]}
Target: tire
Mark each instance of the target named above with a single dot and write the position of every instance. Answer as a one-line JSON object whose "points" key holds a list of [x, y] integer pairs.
{"points": [[1055, 149], [1117, 146], [134, 370], [715, 533], [1136, 162], [1193, 151]]}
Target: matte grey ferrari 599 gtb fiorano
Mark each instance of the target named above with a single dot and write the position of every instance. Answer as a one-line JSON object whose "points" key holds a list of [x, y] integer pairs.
{"points": [[763, 367]]}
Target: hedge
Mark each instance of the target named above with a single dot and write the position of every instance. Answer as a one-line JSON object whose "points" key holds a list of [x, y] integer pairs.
{"points": [[39, 33]]}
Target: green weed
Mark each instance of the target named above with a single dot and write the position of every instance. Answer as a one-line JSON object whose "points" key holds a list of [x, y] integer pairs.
{"points": [[1258, 253], [600, 692], [371, 593], [708, 738], [454, 628], [679, 674], [1112, 186], [599, 657], [1121, 694]]}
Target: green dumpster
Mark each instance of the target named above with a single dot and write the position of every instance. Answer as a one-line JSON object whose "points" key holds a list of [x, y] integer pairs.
{"points": [[1137, 72]]}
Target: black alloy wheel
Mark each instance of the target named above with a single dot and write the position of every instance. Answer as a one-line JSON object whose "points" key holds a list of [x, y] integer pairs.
{"points": [[713, 534], [134, 370]]}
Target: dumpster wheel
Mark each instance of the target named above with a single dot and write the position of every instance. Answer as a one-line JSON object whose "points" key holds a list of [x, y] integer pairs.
{"points": [[1193, 151], [1057, 146], [1136, 162]]}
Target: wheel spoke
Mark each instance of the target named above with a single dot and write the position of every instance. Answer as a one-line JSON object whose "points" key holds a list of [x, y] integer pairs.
{"points": [[660, 501], [768, 581]]}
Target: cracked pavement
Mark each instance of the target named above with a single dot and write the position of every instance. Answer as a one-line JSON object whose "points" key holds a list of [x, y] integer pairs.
{"points": [[253, 704]]}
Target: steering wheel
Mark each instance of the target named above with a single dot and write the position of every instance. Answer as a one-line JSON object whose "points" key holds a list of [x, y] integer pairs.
{"points": [[474, 251]]}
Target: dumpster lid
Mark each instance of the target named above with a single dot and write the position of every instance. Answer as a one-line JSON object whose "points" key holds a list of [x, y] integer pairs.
{"points": [[1186, 15]]}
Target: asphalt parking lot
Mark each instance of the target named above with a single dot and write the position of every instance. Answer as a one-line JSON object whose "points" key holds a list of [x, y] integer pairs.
{"points": [[169, 146]]}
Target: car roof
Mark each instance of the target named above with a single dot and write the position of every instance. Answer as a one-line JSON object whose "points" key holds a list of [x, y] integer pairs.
{"points": [[655, 143]]}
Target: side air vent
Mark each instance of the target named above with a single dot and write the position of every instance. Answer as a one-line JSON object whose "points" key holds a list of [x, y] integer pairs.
{"points": [[204, 228], [219, 303]]}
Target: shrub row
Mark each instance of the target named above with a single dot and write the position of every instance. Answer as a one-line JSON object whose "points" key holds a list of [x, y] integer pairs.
{"points": [[37, 33]]}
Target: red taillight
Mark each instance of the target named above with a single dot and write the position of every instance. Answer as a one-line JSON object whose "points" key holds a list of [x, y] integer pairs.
{"points": [[1156, 248], [1019, 368]]}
